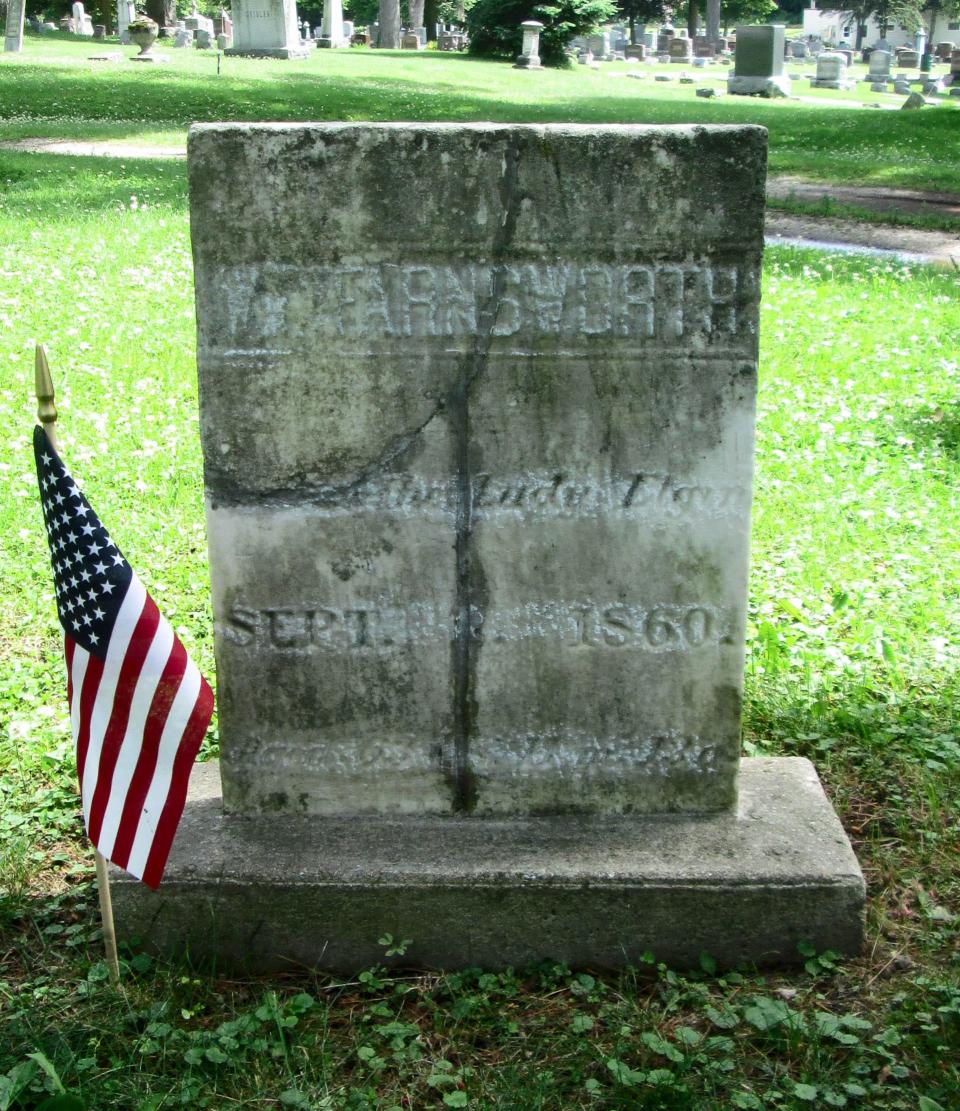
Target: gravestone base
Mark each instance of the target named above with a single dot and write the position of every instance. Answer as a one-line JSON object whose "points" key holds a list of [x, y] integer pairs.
{"points": [[281, 892], [822, 83], [285, 52], [758, 86]]}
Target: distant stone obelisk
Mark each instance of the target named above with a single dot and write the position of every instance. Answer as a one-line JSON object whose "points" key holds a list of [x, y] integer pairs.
{"points": [[332, 30]]}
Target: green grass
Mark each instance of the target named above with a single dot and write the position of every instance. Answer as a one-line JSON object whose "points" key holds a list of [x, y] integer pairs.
{"points": [[852, 660], [52, 90]]}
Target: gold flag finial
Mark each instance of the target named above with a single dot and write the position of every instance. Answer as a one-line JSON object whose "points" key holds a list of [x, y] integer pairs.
{"points": [[46, 400]]}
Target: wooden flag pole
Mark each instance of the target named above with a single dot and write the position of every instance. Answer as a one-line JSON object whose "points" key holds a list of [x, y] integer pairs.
{"points": [[47, 414]]}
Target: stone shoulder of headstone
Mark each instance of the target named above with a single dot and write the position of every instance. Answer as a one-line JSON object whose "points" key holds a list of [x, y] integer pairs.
{"points": [[914, 100]]}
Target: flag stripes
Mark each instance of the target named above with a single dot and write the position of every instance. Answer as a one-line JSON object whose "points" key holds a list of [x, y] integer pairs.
{"points": [[139, 708]]}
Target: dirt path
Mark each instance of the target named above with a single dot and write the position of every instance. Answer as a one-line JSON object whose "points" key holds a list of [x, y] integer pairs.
{"points": [[918, 244], [874, 197], [817, 231], [106, 148]]}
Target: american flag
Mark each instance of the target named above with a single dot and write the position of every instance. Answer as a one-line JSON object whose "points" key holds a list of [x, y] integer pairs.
{"points": [[139, 707]]}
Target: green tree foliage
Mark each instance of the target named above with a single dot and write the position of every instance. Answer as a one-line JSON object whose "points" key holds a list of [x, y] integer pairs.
{"points": [[494, 25], [642, 11], [735, 13]]}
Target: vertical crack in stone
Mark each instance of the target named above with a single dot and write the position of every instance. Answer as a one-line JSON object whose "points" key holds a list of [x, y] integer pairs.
{"points": [[471, 599]]}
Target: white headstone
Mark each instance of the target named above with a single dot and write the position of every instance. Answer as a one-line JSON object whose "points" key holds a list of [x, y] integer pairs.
{"points": [[126, 14], [530, 51], [267, 29], [332, 34], [831, 72]]}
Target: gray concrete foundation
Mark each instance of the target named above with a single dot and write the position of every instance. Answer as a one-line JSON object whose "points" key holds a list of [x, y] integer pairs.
{"points": [[280, 892]]}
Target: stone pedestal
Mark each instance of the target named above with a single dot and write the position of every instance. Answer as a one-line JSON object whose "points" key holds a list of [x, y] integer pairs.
{"points": [[759, 86], [478, 512], [268, 894]]}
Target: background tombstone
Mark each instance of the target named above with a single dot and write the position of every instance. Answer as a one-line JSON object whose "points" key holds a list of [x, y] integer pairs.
{"points": [[599, 44], [126, 14], [83, 24], [680, 50], [331, 34], [478, 503], [13, 37], [878, 66], [266, 29], [831, 72], [758, 65], [529, 56]]}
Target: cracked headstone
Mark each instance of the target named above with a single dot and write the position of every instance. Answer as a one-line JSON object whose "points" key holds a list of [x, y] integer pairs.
{"points": [[478, 496]]}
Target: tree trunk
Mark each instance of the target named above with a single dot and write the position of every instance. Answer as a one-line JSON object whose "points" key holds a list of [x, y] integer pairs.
{"points": [[388, 16], [693, 13], [162, 12], [416, 12], [713, 21], [431, 14]]}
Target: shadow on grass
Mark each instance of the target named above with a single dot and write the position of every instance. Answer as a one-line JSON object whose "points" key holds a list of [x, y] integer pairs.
{"points": [[939, 430]]}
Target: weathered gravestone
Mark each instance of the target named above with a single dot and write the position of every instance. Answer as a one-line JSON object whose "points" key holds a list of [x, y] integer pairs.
{"points": [[831, 72], [879, 66], [758, 65], [478, 501], [13, 31], [680, 50], [266, 29]]}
